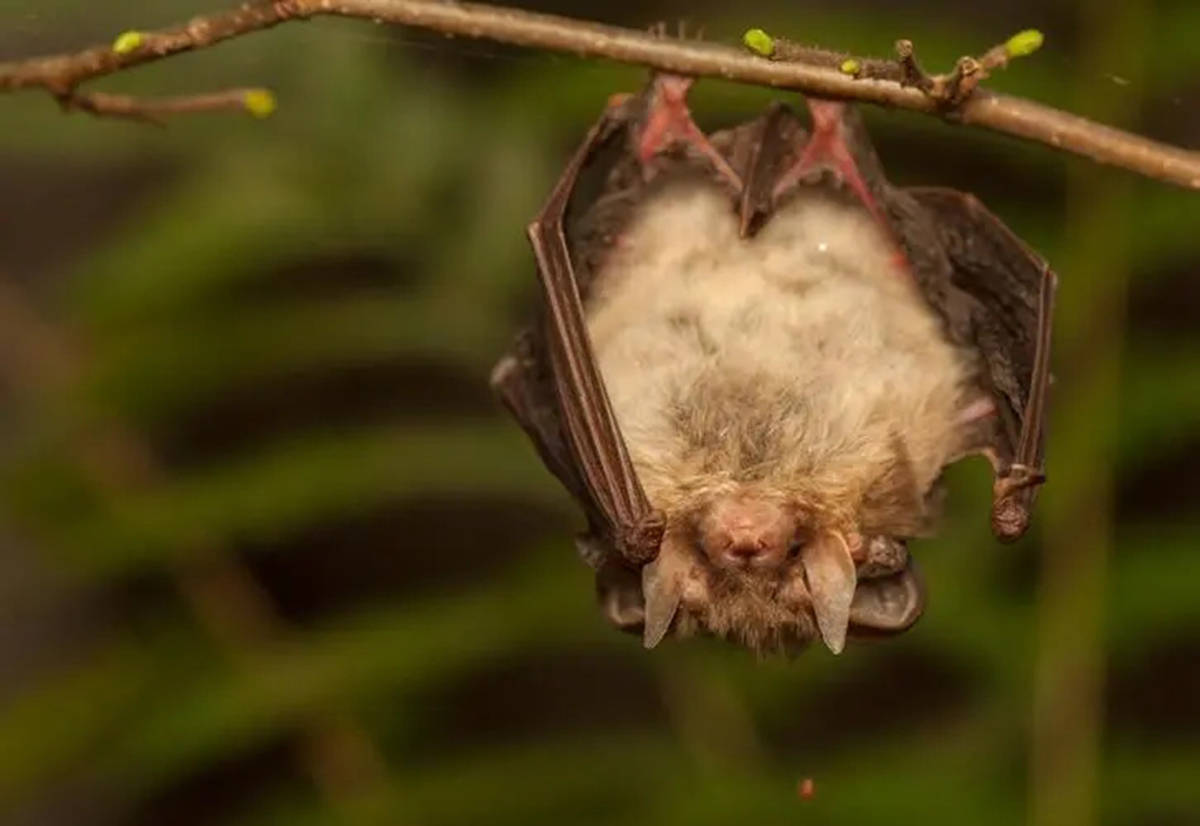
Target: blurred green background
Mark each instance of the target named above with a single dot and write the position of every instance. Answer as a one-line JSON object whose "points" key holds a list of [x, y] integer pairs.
{"points": [[269, 552]]}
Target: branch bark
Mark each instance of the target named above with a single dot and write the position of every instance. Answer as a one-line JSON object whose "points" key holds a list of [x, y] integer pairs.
{"points": [[258, 102], [61, 74]]}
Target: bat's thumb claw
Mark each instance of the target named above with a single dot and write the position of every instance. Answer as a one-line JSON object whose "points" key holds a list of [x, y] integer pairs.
{"points": [[640, 543], [1013, 501], [1010, 518]]}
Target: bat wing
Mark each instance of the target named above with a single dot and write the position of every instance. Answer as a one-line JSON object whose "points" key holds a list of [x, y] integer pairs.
{"points": [[523, 384], [554, 389], [522, 381], [551, 382], [1010, 310]]}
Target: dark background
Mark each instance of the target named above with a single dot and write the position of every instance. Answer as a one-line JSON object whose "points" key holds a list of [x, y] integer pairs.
{"points": [[269, 552]]}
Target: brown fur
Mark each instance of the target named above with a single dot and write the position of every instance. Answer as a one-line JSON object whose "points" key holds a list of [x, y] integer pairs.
{"points": [[799, 365], [751, 608]]}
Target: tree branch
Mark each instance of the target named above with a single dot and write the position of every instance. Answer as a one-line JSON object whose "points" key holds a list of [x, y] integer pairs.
{"points": [[60, 74], [258, 102]]}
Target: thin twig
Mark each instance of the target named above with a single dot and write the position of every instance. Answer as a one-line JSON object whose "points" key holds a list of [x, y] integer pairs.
{"points": [[60, 74], [948, 90], [258, 102]]}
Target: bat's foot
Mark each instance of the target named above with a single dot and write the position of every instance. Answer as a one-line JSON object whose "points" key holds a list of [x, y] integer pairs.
{"points": [[668, 126], [683, 30], [828, 148]]}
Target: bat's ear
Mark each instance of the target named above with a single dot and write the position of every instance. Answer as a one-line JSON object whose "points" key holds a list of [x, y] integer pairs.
{"points": [[663, 583], [662, 588], [831, 576], [619, 592], [890, 604]]}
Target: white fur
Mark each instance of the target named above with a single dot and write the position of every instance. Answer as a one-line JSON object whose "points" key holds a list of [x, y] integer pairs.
{"points": [[806, 341]]}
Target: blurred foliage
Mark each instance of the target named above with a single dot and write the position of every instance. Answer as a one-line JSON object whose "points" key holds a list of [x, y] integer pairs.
{"points": [[270, 553]]}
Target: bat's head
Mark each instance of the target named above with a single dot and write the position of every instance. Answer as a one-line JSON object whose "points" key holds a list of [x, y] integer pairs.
{"points": [[761, 569]]}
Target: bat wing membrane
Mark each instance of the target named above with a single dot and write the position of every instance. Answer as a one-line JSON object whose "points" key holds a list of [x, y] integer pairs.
{"points": [[553, 387], [1011, 320]]}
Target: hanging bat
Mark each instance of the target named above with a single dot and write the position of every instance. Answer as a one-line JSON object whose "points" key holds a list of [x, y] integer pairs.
{"points": [[755, 357]]}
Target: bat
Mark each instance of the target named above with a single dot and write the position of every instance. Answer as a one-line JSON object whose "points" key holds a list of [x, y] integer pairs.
{"points": [[753, 359]]}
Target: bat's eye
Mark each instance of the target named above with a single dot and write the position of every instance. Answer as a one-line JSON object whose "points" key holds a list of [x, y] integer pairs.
{"points": [[801, 538]]}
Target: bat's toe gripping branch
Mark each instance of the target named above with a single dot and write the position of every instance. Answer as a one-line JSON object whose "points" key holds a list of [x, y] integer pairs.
{"points": [[668, 124], [828, 148], [831, 148]]}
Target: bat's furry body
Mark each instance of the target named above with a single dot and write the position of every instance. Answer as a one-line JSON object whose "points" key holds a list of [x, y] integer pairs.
{"points": [[801, 365], [800, 360], [756, 359]]}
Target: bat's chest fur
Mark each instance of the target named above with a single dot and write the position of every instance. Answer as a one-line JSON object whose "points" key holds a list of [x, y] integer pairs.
{"points": [[801, 360]]}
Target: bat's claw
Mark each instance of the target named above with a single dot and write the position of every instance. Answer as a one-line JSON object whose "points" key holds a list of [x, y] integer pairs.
{"points": [[1012, 500], [639, 544], [659, 29]]}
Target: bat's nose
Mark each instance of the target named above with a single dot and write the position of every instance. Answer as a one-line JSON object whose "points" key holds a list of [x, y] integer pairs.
{"points": [[739, 532], [748, 547]]}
